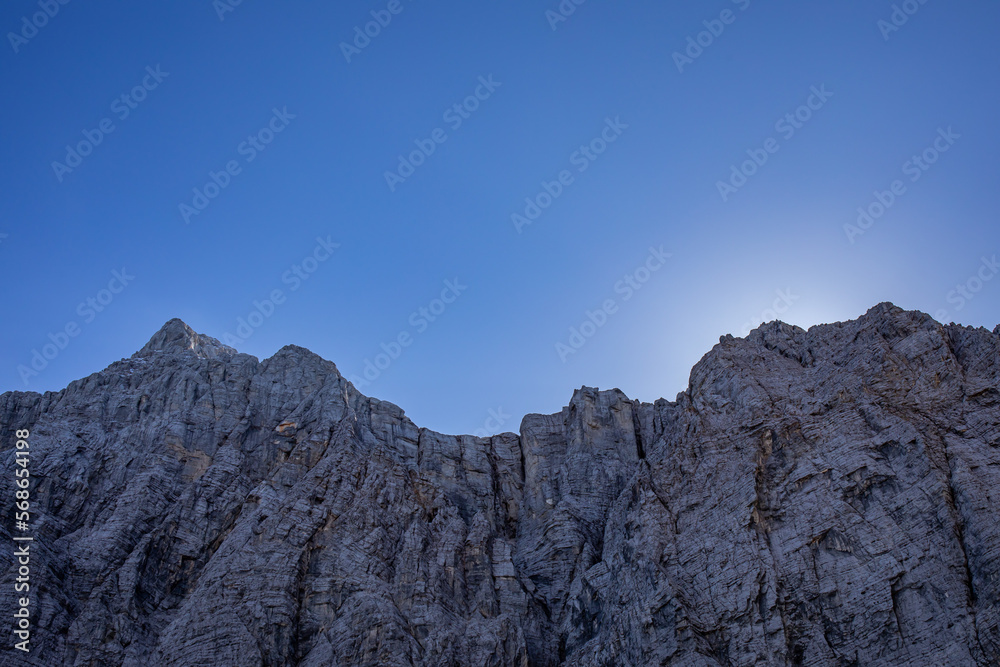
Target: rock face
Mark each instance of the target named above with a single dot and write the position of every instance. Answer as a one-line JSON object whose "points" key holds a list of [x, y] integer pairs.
{"points": [[821, 497]]}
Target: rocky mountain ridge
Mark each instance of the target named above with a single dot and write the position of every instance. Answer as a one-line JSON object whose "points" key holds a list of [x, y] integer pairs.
{"points": [[820, 497]]}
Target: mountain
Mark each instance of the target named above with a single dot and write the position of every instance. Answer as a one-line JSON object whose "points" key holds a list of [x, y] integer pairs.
{"points": [[820, 497]]}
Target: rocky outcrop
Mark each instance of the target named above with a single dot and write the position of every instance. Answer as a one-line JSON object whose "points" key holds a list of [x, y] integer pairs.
{"points": [[820, 497]]}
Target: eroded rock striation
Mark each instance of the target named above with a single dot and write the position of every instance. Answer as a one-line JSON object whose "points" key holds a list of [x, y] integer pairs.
{"points": [[820, 497]]}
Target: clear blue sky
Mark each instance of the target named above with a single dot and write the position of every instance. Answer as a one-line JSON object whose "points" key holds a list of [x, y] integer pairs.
{"points": [[670, 128]]}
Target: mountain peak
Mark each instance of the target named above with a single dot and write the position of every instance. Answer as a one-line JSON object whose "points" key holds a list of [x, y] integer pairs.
{"points": [[176, 336], [884, 308]]}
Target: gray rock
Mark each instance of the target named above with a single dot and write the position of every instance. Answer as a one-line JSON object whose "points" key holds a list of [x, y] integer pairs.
{"points": [[821, 497]]}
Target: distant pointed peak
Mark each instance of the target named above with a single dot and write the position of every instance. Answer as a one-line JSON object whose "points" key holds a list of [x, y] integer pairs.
{"points": [[302, 356], [885, 308], [890, 319], [176, 336]]}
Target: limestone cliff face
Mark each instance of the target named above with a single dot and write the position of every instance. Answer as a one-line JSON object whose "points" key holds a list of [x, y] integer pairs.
{"points": [[821, 497]]}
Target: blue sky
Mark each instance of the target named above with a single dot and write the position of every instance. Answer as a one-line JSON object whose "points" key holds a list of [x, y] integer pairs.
{"points": [[615, 123]]}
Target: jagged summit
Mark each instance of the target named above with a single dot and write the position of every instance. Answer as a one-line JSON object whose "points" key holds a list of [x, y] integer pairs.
{"points": [[304, 355], [885, 308], [175, 336]]}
